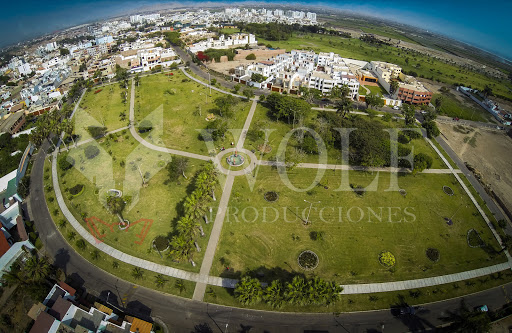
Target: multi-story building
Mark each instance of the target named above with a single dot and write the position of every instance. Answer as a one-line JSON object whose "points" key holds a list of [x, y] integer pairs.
{"points": [[411, 91], [224, 43]]}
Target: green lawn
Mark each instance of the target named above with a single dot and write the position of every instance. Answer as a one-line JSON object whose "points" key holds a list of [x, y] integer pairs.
{"points": [[452, 107], [123, 270], [377, 90], [159, 201], [261, 120], [103, 109], [349, 250], [423, 65], [179, 104], [229, 31]]}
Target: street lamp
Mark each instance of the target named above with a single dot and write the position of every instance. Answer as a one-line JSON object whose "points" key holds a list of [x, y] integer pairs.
{"points": [[108, 295], [310, 205]]}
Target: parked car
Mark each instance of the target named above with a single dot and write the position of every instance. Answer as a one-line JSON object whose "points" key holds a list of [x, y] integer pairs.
{"points": [[407, 310], [396, 108], [456, 118], [482, 308]]}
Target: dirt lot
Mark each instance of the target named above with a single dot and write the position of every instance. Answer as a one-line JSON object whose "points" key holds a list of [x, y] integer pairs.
{"points": [[489, 152]]}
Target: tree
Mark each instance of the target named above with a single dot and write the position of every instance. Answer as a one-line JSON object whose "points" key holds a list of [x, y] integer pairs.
{"points": [[296, 291], [249, 93], [218, 129], [116, 205], [372, 99], [393, 87], [438, 102], [431, 128], [236, 88], [429, 115], [274, 294], [421, 162], [343, 107], [251, 56], [97, 131], [188, 227], [63, 51], [195, 204], [160, 280], [66, 162], [91, 152], [466, 320], [257, 77], [121, 73], [180, 285], [408, 113], [487, 91], [145, 126], [248, 291], [177, 167], [138, 273], [181, 247]]}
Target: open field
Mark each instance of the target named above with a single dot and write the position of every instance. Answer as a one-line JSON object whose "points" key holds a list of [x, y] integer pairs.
{"points": [[377, 301], [354, 229], [103, 108], [158, 201], [488, 152], [262, 120], [179, 105], [119, 268], [425, 66], [460, 106]]}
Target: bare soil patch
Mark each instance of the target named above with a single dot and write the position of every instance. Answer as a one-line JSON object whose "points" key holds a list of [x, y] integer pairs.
{"points": [[489, 154]]}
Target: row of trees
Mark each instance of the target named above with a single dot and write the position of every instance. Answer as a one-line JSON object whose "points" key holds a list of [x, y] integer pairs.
{"points": [[299, 291], [292, 109], [195, 206]]}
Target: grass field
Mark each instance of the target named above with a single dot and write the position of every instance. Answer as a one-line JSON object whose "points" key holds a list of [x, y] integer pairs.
{"points": [[353, 236], [376, 301], [377, 90], [261, 120], [103, 109], [158, 201], [423, 65], [181, 105], [452, 107], [120, 269]]}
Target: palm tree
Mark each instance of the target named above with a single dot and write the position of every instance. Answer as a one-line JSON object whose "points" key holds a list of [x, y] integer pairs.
{"points": [[343, 107], [160, 280], [37, 269], [195, 204], [188, 227], [137, 273], [14, 276], [274, 294], [179, 285], [115, 264], [69, 127], [248, 291], [296, 291], [181, 247], [95, 254]]}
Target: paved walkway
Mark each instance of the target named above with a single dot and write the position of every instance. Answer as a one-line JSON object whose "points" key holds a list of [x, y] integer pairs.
{"points": [[247, 124], [208, 85]]}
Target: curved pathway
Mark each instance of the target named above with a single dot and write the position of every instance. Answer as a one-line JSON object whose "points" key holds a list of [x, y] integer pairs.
{"points": [[203, 278]]}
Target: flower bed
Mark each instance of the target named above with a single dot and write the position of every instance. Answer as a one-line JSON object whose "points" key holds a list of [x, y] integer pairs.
{"points": [[307, 260], [474, 239], [387, 259], [271, 196], [448, 190]]}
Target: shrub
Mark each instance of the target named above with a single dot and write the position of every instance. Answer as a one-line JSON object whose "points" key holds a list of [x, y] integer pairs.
{"points": [[145, 126], [97, 131], [91, 152], [66, 163], [81, 244], [77, 190], [251, 56], [387, 259], [432, 254]]}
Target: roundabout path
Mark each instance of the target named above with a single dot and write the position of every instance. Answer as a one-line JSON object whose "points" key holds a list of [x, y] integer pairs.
{"points": [[202, 278]]}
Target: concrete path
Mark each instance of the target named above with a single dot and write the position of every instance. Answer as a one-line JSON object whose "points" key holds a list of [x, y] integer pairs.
{"points": [[210, 86], [247, 125], [214, 240]]}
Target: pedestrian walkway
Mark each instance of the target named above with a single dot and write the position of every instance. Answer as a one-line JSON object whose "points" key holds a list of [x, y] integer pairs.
{"points": [[247, 125]]}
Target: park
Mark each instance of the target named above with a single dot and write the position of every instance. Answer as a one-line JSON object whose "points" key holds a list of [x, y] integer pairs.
{"points": [[181, 176]]}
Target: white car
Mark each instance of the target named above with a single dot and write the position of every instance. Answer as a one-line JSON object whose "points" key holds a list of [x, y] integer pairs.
{"points": [[396, 108]]}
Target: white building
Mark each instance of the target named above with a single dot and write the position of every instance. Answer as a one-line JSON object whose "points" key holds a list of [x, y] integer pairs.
{"points": [[24, 69], [224, 43]]}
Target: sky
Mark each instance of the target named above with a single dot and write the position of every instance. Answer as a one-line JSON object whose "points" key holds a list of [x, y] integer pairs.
{"points": [[480, 23]]}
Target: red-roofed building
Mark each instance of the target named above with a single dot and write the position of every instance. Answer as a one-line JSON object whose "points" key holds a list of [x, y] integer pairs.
{"points": [[4, 245]]}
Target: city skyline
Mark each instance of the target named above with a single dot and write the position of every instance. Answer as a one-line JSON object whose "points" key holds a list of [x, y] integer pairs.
{"points": [[453, 19]]}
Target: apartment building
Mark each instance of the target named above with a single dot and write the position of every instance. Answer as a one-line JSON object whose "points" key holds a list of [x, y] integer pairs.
{"points": [[142, 60], [411, 91], [236, 40]]}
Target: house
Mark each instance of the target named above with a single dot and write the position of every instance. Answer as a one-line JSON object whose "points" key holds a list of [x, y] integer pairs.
{"points": [[12, 123], [61, 312]]}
